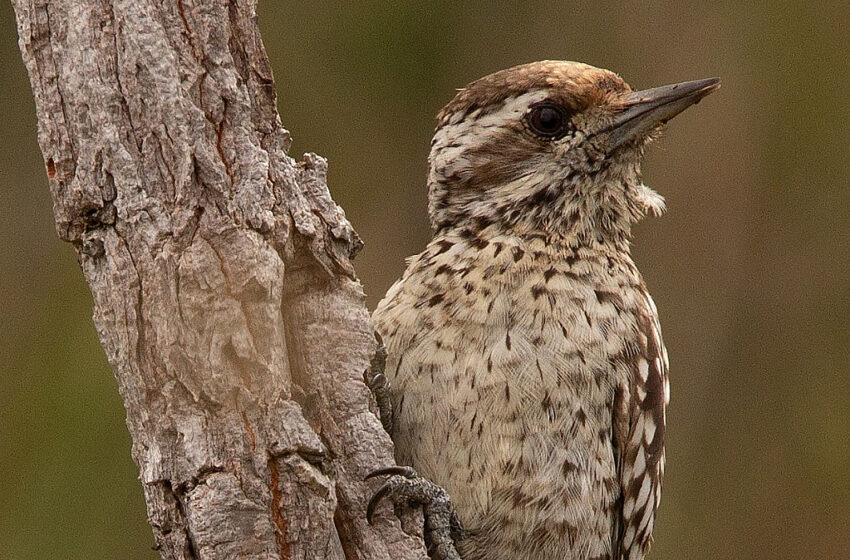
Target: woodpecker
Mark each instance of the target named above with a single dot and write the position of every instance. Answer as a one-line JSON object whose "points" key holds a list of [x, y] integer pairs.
{"points": [[525, 364]]}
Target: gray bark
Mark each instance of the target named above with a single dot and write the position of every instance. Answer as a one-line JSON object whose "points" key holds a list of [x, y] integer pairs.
{"points": [[220, 271]]}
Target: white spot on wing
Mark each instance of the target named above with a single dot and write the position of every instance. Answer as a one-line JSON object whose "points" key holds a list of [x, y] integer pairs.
{"points": [[643, 368], [643, 495], [648, 428], [640, 462], [629, 537], [647, 515], [629, 507]]}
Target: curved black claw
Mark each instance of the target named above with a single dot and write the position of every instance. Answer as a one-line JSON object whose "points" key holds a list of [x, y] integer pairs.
{"points": [[387, 487], [373, 503], [405, 486]]}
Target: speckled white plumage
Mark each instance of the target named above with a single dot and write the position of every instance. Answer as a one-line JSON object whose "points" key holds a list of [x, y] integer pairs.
{"points": [[528, 373], [504, 397]]}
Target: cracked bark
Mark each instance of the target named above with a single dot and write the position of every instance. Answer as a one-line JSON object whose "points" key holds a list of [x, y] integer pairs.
{"points": [[220, 271]]}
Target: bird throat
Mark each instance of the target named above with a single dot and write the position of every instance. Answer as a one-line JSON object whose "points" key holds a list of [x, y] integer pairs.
{"points": [[574, 211]]}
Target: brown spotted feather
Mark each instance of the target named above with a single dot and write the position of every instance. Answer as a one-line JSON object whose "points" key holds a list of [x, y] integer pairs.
{"points": [[528, 374]]}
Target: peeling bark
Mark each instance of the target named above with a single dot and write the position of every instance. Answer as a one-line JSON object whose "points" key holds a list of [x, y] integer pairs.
{"points": [[220, 270]]}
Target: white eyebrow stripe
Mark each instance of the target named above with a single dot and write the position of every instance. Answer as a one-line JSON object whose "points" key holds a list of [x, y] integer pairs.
{"points": [[512, 108]]}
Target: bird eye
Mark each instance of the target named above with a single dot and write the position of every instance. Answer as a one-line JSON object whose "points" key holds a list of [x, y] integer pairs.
{"points": [[548, 120]]}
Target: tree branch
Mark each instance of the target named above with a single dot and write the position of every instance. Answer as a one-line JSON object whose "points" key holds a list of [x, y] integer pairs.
{"points": [[220, 270]]}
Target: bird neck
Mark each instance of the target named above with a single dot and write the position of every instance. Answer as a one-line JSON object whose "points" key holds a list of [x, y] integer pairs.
{"points": [[566, 221], [573, 209], [478, 234]]}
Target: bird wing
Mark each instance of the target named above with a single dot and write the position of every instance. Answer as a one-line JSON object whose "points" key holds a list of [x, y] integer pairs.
{"points": [[639, 425]]}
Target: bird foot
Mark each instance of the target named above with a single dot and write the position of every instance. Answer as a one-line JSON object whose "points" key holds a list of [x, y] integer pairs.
{"points": [[379, 384], [403, 487]]}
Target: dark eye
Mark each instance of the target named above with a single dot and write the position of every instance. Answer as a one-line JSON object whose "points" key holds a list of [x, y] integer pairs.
{"points": [[548, 120]]}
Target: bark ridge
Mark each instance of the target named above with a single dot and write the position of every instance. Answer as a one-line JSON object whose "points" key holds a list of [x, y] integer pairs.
{"points": [[220, 271]]}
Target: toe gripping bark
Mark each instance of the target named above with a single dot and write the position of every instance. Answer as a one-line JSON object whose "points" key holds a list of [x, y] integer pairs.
{"points": [[379, 384], [404, 487]]}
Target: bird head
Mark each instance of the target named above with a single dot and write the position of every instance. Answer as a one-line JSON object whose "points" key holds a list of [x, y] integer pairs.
{"points": [[550, 147]]}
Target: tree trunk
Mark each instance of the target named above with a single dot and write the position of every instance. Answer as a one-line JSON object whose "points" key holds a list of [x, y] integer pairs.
{"points": [[220, 270]]}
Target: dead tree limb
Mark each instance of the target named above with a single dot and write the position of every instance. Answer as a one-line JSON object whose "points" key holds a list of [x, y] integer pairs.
{"points": [[220, 270]]}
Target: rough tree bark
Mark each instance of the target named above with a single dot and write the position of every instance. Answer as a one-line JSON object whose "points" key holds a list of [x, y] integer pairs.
{"points": [[220, 270]]}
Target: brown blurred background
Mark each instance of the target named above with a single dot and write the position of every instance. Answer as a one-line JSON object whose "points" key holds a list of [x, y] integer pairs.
{"points": [[750, 268]]}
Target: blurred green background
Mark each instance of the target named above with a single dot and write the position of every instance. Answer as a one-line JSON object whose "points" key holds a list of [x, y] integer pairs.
{"points": [[750, 268]]}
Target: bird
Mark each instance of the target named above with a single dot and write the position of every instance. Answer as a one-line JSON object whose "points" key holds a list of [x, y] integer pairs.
{"points": [[525, 367]]}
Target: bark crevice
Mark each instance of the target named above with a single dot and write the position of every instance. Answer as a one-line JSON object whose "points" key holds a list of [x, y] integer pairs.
{"points": [[221, 278]]}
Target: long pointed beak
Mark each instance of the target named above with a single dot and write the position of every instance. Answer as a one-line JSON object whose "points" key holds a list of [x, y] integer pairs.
{"points": [[650, 108]]}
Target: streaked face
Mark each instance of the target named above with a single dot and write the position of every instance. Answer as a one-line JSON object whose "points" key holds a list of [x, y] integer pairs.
{"points": [[549, 145], [510, 144]]}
